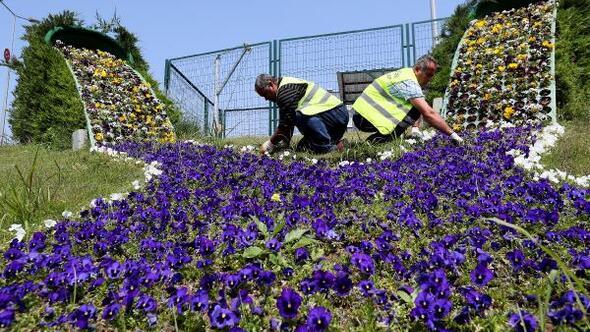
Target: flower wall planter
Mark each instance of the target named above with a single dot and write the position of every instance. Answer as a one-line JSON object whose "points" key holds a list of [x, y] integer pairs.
{"points": [[119, 104], [503, 69]]}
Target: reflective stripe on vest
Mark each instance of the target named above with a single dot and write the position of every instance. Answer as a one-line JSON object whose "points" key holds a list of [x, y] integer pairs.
{"points": [[382, 109], [315, 100]]}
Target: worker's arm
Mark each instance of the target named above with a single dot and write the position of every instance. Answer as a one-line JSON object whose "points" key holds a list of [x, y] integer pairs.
{"points": [[288, 97], [431, 116]]}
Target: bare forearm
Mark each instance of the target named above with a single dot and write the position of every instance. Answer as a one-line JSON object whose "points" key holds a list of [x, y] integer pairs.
{"points": [[436, 121], [430, 116]]}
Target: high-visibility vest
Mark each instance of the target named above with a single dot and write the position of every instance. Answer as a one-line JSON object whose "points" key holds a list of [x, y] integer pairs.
{"points": [[383, 110], [315, 100]]}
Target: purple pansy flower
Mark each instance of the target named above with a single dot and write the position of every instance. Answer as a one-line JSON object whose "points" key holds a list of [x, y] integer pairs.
{"points": [[288, 303], [318, 319]]}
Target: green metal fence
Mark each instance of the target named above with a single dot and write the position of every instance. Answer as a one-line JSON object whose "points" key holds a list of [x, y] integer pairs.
{"points": [[190, 80]]}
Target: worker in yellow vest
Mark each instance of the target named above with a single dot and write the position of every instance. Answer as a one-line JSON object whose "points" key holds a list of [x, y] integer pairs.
{"points": [[321, 117], [395, 101]]}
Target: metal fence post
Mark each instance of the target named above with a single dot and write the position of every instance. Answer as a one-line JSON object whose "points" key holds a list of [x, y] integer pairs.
{"points": [[276, 73], [206, 117], [271, 71], [166, 76], [408, 46]]}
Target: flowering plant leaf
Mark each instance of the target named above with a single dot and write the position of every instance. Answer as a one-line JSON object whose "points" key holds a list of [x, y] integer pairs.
{"points": [[252, 252], [316, 254], [405, 297], [277, 260], [261, 226], [304, 241], [280, 225], [294, 235]]}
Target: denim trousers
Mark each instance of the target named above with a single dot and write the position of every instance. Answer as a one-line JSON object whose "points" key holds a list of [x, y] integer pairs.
{"points": [[364, 125], [321, 132]]}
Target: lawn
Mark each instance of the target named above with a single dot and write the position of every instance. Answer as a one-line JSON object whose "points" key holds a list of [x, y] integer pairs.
{"points": [[572, 151], [32, 191]]}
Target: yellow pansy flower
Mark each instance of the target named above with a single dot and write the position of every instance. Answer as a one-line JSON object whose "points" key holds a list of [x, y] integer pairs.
{"points": [[512, 65], [547, 44], [508, 111], [497, 28], [276, 197], [99, 136]]}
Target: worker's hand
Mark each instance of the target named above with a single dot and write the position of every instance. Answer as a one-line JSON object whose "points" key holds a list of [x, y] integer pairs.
{"points": [[416, 133], [456, 139], [267, 147]]}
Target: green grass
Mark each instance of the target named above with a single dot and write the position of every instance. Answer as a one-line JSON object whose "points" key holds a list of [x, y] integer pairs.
{"points": [[572, 151], [34, 190]]}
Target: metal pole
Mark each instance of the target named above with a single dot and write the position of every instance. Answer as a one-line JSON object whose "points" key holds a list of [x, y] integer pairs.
{"points": [[5, 108], [434, 25], [219, 88], [231, 72], [216, 115]]}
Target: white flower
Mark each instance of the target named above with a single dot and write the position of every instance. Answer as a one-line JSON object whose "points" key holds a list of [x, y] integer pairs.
{"points": [[385, 154], [411, 141], [136, 185], [344, 163], [49, 223], [19, 231], [314, 161], [247, 148], [67, 214], [116, 197], [93, 203], [545, 141]]}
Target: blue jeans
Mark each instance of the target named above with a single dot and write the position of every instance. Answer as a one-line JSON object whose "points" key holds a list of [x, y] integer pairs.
{"points": [[364, 125], [321, 132]]}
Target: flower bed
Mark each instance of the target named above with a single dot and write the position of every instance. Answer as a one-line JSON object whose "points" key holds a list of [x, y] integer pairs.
{"points": [[503, 69], [224, 239], [120, 105]]}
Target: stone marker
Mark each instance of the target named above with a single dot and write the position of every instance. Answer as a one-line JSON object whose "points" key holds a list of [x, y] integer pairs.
{"points": [[437, 104], [79, 138]]}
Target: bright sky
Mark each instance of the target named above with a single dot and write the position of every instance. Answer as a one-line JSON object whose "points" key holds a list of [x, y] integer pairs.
{"points": [[183, 27]]}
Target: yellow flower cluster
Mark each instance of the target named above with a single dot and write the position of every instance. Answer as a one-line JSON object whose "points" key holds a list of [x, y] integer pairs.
{"points": [[120, 105], [502, 63]]}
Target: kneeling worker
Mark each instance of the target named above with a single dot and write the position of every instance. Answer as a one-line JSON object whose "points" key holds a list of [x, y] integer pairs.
{"points": [[321, 117], [395, 101]]}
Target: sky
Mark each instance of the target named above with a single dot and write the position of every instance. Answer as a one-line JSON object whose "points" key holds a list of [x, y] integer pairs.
{"points": [[183, 27]]}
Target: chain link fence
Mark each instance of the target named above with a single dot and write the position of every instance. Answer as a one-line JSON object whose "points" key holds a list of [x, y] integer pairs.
{"points": [[190, 81]]}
